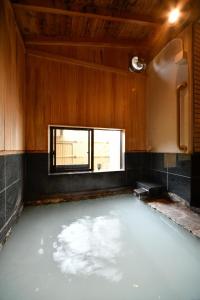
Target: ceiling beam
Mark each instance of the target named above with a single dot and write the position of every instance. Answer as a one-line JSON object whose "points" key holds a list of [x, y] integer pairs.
{"points": [[77, 62], [126, 44], [123, 18]]}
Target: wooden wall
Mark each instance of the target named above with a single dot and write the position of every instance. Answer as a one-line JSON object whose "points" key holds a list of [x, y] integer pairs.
{"points": [[107, 56], [66, 94], [12, 68], [196, 87]]}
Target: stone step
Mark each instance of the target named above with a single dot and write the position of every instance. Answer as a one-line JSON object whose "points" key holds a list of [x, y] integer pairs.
{"points": [[141, 193], [153, 189]]}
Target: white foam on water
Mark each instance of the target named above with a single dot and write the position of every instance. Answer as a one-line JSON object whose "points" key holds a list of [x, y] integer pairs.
{"points": [[90, 246]]}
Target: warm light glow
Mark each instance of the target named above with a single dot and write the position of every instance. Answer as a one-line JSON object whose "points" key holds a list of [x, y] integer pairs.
{"points": [[174, 16]]}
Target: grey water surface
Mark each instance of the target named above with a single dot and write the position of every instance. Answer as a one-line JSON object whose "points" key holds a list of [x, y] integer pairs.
{"points": [[113, 248]]}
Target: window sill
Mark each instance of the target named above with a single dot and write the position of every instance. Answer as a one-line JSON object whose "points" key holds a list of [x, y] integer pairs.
{"points": [[85, 172]]}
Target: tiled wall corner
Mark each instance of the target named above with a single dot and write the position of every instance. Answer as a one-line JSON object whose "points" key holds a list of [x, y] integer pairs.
{"points": [[172, 170], [11, 190]]}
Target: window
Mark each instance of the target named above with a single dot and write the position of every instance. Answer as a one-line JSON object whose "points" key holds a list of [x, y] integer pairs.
{"points": [[75, 149]]}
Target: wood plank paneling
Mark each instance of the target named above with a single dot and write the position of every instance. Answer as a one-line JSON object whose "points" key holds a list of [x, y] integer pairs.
{"points": [[196, 86], [65, 94], [2, 81], [111, 57], [77, 62], [12, 68], [138, 25]]}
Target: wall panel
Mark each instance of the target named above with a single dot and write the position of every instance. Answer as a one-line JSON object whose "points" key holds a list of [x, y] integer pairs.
{"points": [[167, 70], [12, 80], [12, 68], [60, 93]]}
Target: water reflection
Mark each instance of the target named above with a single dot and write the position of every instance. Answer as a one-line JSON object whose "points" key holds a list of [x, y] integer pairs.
{"points": [[90, 246], [41, 250]]}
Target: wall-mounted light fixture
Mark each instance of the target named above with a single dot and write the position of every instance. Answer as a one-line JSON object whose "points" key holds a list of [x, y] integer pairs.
{"points": [[174, 16], [137, 65]]}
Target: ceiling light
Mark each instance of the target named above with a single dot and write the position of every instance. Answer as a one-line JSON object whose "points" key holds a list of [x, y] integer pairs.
{"points": [[174, 16]]}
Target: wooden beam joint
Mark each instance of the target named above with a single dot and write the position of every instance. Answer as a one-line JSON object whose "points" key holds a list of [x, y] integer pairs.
{"points": [[77, 62]]}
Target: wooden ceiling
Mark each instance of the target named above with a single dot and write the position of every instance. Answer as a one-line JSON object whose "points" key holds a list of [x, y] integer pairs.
{"points": [[139, 26]]}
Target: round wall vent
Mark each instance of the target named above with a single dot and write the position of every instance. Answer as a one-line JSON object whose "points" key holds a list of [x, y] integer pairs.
{"points": [[137, 65]]}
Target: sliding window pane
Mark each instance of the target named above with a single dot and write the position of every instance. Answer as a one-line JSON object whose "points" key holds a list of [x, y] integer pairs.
{"points": [[72, 147], [107, 150]]}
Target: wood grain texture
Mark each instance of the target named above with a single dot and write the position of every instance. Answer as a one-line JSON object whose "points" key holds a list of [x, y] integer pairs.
{"points": [[136, 24], [65, 94], [110, 57], [12, 68], [196, 87], [77, 62], [45, 23], [83, 5], [102, 14], [83, 42]]}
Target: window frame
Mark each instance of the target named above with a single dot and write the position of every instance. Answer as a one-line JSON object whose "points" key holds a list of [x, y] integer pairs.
{"points": [[89, 168]]}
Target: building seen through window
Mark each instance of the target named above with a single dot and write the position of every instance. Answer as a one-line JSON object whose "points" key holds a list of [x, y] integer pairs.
{"points": [[86, 149]]}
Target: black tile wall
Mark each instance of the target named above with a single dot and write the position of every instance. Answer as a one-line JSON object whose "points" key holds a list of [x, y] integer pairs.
{"points": [[180, 174], [137, 166], [174, 171], [2, 209], [136, 160], [157, 162], [158, 177], [195, 198], [11, 190], [13, 168], [39, 184], [180, 185], [13, 197], [183, 165], [2, 173]]}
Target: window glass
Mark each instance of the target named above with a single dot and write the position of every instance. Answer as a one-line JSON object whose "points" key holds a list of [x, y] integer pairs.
{"points": [[72, 147], [107, 150], [85, 149]]}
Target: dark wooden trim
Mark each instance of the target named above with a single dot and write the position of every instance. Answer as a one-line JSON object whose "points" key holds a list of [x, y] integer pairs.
{"points": [[54, 168], [136, 44]]}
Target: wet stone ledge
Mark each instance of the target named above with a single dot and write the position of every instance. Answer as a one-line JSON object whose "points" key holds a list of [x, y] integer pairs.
{"points": [[178, 212]]}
